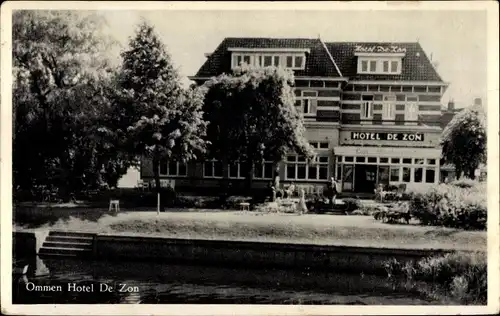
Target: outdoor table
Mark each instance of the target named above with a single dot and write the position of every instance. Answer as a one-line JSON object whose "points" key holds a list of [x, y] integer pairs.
{"points": [[245, 206]]}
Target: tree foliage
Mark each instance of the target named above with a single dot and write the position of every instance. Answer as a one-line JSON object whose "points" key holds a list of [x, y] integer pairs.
{"points": [[464, 141], [253, 117], [62, 90], [159, 119]]}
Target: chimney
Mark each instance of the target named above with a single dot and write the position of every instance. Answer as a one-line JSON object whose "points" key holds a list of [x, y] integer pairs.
{"points": [[451, 105], [478, 101]]}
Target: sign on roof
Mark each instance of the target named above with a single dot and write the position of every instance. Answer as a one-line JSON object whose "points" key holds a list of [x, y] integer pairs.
{"points": [[379, 49]]}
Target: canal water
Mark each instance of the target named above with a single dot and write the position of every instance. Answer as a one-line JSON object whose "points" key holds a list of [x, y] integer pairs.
{"points": [[59, 281]]}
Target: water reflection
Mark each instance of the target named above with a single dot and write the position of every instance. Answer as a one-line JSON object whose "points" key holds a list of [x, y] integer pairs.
{"points": [[99, 282]]}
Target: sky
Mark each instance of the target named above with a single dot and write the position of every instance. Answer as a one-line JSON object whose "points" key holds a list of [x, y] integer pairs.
{"points": [[456, 40]]}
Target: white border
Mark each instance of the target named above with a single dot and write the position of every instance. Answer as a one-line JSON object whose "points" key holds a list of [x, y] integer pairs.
{"points": [[6, 163]]}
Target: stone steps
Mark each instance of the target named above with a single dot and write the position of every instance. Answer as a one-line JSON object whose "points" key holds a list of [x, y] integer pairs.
{"points": [[67, 244]]}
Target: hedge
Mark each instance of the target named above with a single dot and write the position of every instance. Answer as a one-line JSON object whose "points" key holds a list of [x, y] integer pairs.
{"points": [[451, 205]]}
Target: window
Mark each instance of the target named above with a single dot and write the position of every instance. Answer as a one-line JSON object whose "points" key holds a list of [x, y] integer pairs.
{"points": [[289, 61], [419, 161], [246, 59], [389, 105], [384, 160], [276, 61], [348, 159], [306, 106], [430, 175], [367, 107], [411, 108], [237, 60], [309, 102], [388, 66], [173, 168], [364, 66], [394, 66], [431, 161], [298, 62], [372, 159], [298, 169], [407, 160], [394, 174], [263, 170], [418, 175], [268, 61], [360, 159], [258, 62], [373, 66], [385, 66], [395, 160], [235, 171], [323, 145], [406, 174], [319, 145], [212, 169]]}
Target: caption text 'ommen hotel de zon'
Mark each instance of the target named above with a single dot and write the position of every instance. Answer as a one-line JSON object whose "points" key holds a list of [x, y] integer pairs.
{"points": [[371, 110]]}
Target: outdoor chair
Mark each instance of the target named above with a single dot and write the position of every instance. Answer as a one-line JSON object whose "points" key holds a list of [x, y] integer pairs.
{"points": [[114, 204], [380, 193]]}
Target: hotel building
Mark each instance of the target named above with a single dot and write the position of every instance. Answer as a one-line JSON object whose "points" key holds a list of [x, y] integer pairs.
{"points": [[371, 110]]}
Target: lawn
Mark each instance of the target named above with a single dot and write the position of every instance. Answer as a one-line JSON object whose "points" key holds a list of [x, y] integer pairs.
{"points": [[254, 226]]}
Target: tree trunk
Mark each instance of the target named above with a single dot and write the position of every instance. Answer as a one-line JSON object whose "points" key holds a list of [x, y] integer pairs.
{"points": [[156, 173], [472, 173], [458, 173], [249, 167]]}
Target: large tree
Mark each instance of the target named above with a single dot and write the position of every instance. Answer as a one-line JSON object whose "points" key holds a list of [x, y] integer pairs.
{"points": [[252, 117], [63, 83], [464, 141], [161, 119]]}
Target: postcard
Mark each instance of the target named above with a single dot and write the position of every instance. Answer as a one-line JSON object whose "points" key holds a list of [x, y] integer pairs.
{"points": [[249, 158]]}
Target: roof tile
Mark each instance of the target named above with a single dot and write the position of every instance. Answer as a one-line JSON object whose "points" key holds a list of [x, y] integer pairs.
{"points": [[416, 65]]}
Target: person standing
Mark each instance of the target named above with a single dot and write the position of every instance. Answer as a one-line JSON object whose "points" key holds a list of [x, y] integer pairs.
{"points": [[333, 194], [302, 207]]}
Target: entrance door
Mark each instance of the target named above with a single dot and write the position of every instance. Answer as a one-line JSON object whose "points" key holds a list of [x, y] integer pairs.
{"points": [[366, 177]]}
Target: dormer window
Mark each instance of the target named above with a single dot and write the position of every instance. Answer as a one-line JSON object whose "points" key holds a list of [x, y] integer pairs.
{"points": [[381, 60], [287, 58], [382, 66]]}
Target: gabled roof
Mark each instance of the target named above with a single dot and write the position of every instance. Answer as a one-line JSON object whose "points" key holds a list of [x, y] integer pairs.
{"points": [[318, 62], [416, 65], [334, 59]]}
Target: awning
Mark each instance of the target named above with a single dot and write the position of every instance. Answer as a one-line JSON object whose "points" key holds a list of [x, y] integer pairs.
{"points": [[402, 152]]}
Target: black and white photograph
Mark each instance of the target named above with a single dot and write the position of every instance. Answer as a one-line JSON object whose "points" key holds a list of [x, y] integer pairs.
{"points": [[307, 158]]}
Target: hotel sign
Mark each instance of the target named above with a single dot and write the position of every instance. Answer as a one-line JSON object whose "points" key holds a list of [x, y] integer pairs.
{"points": [[379, 49], [412, 137]]}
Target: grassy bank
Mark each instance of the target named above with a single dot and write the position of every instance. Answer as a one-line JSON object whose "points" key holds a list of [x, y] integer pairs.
{"points": [[315, 229], [461, 276]]}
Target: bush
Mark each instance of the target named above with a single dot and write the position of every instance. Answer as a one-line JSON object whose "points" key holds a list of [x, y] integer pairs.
{"points": [[359, 212], [462, 275], [451, 205], [393, 213], [233, 202], [394, 196], [208, 202], [351, 204], [465, 183]]}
